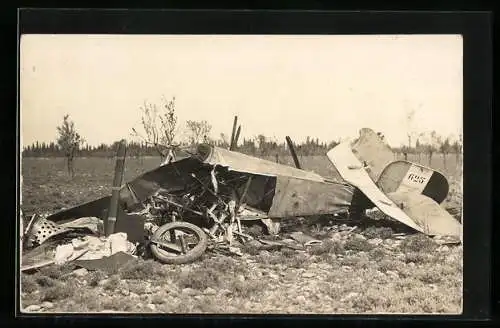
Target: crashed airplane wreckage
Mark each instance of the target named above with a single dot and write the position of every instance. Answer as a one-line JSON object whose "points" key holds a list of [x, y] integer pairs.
{"points": [[179, 207]]}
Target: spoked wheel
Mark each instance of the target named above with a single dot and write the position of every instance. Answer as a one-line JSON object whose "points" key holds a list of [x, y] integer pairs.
{"points": [[178, 242]]}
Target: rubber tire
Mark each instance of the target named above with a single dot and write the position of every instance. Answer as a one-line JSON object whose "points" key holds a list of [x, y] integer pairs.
{"points": [[192, 255]]}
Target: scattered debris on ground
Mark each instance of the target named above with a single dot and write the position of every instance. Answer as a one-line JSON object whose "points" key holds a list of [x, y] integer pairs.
{"points": [[212, 200], [406, 267]]}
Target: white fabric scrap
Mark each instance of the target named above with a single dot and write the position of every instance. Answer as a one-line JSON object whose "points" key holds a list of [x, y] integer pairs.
{"points": [[79, 243], [214, 180], [118, 242], [94, 247], [63, 253]]}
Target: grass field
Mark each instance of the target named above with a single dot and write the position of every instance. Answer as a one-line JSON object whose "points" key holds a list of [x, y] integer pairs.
{"points": [[367, 270]]}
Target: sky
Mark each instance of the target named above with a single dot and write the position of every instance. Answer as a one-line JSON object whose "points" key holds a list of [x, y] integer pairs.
{"points": [[327, 86]]}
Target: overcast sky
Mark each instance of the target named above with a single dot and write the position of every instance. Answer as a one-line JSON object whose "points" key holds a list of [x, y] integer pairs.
{"points": [[322, 86]]}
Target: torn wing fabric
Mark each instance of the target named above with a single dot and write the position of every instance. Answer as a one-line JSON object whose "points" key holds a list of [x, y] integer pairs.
{"points": [[351, 170], [248, 164]]}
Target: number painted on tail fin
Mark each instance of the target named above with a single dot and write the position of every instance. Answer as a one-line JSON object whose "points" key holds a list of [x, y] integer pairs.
{"points": [[416, 178]]}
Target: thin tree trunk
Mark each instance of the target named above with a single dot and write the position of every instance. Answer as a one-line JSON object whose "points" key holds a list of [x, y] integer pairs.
{"points": [[69, 162]]}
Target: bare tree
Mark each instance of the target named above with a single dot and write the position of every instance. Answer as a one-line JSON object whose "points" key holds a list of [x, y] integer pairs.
{"points": [[432, 144], [457, 147], [405, 149], [69, 141], [418, 149], [198, 131], [160, 127], [409, 121], [411, 133], [262, 141], [445, 148]]}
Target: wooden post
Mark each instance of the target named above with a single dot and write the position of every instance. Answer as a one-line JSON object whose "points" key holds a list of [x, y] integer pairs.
{"points": [[233, 133], [109, 224], [292, 151], [236, 137]]}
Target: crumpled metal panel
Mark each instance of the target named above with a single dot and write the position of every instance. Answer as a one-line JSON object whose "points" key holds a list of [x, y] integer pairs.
{"points": [[370, 148], [248, 164], [92, 208], [351, 170], [135, 191], [43, 229], [167, 178], [164, 177], [297, 197], [434, 219], [405, 204]]}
